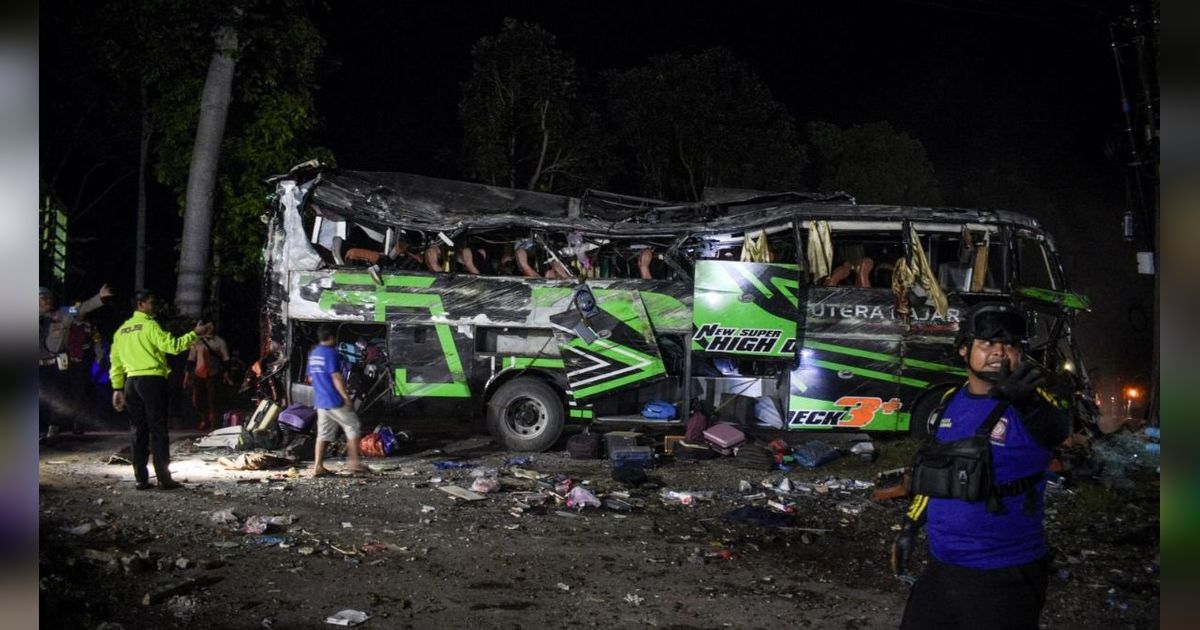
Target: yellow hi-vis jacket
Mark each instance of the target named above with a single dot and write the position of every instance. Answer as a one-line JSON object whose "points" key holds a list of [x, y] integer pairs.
{"points": [[140, 347]]}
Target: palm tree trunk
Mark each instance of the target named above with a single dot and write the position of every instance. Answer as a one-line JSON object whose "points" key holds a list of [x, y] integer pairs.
{"points": [[202, 175], [139, 270]]}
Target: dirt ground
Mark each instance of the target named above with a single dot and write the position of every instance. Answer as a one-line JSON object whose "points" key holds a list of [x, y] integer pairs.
{"points": [[408, 554]]}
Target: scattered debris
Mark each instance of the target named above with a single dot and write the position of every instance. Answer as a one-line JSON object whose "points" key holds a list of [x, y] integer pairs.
{"points": [[256, 460], [260, 524], [81, 529], [814, 454], [485, 485], [182, 607], [685, 498], [152, 598], [452, 465], [461, 493], [224, 517], [347, 617], [853, 508]]}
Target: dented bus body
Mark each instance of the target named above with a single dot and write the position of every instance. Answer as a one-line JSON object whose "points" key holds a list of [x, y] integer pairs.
{"points": [[785, 310]]}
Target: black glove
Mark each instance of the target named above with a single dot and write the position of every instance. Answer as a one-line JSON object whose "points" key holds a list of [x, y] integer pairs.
{"points": [[903, 546], [1018, 386]]}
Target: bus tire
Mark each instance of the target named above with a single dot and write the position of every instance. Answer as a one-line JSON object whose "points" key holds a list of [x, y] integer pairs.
{"points": [[525, 414], [920, 423]]}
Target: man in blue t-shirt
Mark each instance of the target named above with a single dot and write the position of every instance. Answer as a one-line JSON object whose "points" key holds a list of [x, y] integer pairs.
{"points": [[332, 403], [988, 560]]}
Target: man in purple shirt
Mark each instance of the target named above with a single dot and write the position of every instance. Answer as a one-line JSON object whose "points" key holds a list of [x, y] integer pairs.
{"points": [[988, 559], [334, 409]]}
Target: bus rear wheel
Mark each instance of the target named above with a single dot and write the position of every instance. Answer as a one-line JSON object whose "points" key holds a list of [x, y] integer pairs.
{"points": [[920, 423], [525, 414]]}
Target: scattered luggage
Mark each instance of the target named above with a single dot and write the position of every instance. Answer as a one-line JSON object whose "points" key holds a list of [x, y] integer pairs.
{"points": [[619, 439], [584, 446], [298, 418], [262, 430], [815, 453], [658, 410], [723, 438], [235, 417], [640, 457], [688, 450], [755, 457]]}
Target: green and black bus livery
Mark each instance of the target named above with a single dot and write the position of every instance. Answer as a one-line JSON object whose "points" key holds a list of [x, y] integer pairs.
{"points": [[721, 303]]}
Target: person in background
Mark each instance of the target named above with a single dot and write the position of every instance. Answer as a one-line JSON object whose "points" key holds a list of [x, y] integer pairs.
{"points": [[54, 324], [334, 408], [139, 382], [207, 370], [80, 351], [101, 396]]}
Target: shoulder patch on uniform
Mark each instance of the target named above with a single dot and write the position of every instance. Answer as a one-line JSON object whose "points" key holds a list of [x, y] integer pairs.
{"points": [[1000, 432]]}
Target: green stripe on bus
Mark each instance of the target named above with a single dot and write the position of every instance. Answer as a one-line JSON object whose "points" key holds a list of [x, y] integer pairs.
{"points": [[752, 279], [879, 356], [882, 376], [528, 362]]}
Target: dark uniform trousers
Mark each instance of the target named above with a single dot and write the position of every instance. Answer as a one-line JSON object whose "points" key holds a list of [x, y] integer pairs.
{"points": [[146, 403], [950, 596]]}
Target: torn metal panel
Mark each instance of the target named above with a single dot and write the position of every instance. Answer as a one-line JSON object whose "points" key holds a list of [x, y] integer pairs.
{"points": [[298, 254], [427, 204], [618, 349]]}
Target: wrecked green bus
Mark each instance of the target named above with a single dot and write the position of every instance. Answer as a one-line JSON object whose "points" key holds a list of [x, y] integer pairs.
{"points": [[532, 313]]}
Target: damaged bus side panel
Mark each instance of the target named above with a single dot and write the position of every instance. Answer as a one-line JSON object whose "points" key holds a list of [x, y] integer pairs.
{"points": [[528, 312]]}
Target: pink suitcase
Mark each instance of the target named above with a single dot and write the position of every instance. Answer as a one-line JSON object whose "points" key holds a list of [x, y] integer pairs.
{"points": [[722, 438]]}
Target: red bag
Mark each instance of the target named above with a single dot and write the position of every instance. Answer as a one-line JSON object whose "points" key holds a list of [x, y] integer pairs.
{"points": [[371, 446], [696, 427], [201, 361]]}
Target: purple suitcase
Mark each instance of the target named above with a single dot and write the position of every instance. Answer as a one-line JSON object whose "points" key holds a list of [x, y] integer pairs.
{"points": [[723, 437], [298, 418]]}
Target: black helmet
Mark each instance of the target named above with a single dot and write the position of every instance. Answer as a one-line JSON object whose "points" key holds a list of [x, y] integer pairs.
{"points": [[992, 320]]}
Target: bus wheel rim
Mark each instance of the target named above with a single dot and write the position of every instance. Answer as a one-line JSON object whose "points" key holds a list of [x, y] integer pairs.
{"points": [[526, 417]]}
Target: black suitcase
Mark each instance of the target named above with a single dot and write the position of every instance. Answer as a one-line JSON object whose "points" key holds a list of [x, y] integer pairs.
{"points": [[584, 446]]}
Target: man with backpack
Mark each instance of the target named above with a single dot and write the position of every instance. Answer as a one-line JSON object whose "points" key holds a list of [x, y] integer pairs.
{"points": [[988, 561], [207, 369]]}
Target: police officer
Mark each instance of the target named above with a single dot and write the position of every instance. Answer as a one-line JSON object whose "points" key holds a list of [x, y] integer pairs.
{"points": [[988, 559], [139, 381]]}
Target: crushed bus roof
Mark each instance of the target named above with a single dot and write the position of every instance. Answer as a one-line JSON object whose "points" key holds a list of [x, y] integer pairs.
{"points": [[429, 204]]}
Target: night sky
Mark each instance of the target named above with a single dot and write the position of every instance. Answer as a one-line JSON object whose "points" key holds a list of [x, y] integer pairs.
{"points": [[1022, 88]]}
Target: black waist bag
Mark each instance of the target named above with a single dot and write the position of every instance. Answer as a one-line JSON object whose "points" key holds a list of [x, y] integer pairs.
{"points": [[961, 469]]}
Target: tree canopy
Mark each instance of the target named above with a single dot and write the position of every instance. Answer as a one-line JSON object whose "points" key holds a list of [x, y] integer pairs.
{"points": [[524, 124], [873, 162], [271, 117], [688, 122]]}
